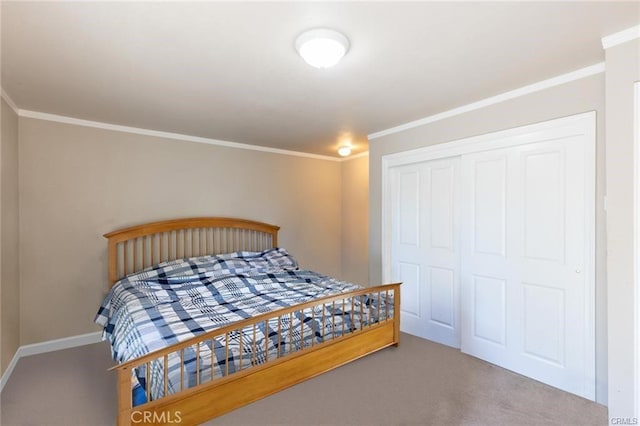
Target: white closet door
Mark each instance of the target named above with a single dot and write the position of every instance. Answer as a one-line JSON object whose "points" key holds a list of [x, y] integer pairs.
{"points": [[425, 248], [524, 290]]}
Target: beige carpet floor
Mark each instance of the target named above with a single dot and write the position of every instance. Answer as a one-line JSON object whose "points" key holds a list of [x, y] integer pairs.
{"points": [[418, 383]]}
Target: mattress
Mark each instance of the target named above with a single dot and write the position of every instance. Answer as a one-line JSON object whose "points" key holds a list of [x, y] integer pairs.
{"points": [[175, 301]]}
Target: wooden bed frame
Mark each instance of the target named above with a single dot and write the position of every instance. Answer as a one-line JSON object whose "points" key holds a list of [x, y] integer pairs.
{"points": [[135, 248]]}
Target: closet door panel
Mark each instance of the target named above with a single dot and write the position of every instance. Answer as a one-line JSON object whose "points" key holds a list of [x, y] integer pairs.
{"points": [[524, 296], [485, 299], [425, 246]]}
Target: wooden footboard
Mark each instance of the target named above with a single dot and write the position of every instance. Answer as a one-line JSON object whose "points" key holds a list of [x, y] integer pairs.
{"points": [[377, 327]]}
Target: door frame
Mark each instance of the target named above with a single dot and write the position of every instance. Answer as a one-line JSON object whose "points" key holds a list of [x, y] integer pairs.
{"points": [[583, 124], [636, 242]]}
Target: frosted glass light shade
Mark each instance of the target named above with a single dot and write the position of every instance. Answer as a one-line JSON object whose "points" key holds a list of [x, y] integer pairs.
{"points": [[344, 150], [322, 48]]}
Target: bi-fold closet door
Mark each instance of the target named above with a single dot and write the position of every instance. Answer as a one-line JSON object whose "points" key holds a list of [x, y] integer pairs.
{"points": [[494, 253]]}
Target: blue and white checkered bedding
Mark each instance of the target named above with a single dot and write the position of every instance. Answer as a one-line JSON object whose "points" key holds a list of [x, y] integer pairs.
{"points": [[177, 300]]}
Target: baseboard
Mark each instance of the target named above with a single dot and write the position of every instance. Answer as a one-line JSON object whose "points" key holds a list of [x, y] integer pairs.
{"points": [[49, 346], [9, 370]]}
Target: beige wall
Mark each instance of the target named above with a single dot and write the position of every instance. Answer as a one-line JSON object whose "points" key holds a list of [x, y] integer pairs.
{"points": [[583, 95], [76, 183], [9, 280], [355, 220], [623, 69]]}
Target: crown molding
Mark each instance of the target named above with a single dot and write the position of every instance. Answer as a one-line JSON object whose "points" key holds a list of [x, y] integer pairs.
{"points": [[353, 157], [10, 102], [621, 37], [169, 135], [525, 90]]}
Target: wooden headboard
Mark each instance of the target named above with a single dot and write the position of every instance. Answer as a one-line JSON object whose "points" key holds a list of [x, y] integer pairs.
{"points": [[135, 248]]}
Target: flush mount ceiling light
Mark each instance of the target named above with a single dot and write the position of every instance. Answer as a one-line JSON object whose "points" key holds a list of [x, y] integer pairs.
{"points": [[344, 150], [321, 47]]}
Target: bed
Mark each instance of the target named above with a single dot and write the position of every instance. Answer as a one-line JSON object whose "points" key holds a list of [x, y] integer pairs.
{"points": [[206, 315]]}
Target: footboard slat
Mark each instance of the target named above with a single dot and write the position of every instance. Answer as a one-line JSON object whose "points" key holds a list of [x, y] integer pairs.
{"points": [[148, 380]]}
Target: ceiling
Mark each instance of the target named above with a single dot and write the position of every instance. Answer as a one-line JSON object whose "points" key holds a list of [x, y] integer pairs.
{"points": [[229, 71]]}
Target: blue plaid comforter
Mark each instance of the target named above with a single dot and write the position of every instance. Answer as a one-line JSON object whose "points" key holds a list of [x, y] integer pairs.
{"points": [[177, 300]]}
